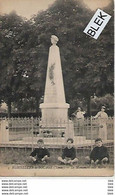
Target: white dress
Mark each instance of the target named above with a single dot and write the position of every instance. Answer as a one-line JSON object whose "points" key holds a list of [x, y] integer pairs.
{"points": [[79, 122], [103, 117]]}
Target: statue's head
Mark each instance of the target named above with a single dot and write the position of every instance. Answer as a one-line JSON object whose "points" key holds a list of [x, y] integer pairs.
{"points": [[54, 39], [78, 109]]}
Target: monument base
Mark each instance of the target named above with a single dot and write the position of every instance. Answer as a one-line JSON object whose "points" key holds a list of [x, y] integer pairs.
{"points": [[57, 141], [54, 112], [51, 131], [55, 122]]}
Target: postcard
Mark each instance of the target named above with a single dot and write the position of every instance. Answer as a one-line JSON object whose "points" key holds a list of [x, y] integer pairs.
{"points": [[56, 88]]}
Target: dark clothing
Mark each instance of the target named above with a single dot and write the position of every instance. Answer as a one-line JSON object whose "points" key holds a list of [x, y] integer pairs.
{"points": [[69, 153], [40, 153], [98, 153]]}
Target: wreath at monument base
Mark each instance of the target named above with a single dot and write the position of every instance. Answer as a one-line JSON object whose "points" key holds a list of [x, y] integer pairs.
{"points": [[101, 126]]}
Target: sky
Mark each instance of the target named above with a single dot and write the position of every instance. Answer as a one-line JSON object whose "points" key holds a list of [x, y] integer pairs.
{"points": [[28, 8]]}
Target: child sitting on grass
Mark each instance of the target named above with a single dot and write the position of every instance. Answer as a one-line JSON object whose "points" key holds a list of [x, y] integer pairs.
{"points": [[69, 153], [99, 154], [40, 154]]}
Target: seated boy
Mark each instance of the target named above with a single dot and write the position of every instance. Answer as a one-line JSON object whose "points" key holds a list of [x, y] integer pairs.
{"points": [[69, 153], [40, 154], [99, 154]]}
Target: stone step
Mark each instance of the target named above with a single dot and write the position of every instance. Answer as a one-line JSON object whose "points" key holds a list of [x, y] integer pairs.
{"points": [[55, 140], [79, 138], [46, 140], [23, 144]]}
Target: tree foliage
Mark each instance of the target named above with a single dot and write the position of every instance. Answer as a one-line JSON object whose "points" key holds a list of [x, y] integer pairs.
{"points": [[87, 64]]}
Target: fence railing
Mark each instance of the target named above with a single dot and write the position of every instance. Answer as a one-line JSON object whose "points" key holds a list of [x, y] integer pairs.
{"points": [[93, 128], [21, 131]]}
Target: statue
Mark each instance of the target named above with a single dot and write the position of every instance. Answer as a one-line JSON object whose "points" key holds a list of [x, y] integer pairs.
{"points": [[53, 50], [54, 89], [54, 106]]}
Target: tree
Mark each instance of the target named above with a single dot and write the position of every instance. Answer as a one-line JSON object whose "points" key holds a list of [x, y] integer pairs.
{"points": [[87, 67], [10, 28], [99, 74], [20, 73], [86, 63], [107, 101]]}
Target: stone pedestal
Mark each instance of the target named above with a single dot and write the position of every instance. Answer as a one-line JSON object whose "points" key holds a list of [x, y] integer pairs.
{"points": [[54, 112]]}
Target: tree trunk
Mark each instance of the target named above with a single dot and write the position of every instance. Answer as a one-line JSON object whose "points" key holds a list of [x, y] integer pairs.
{"points": [[89, 106], [9, 108]]}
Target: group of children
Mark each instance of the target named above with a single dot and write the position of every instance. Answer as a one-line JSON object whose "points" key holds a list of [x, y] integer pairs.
{"points": [[99, 154]]}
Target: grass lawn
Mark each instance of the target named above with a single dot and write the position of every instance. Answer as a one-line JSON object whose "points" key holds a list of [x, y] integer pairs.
{"points": [[16, 162], [20, 156]]}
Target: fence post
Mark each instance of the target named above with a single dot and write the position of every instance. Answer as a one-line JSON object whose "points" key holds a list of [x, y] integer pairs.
{"points": [[4, 131], [69, 131], [91, 134], [32, 131]]}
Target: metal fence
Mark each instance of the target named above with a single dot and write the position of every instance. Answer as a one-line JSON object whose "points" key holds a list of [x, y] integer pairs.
{"points": [[26, 131], [18, 137]]}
